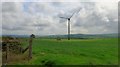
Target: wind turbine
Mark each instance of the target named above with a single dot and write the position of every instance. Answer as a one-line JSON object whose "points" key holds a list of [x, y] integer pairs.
{"points": [[68, 18]]}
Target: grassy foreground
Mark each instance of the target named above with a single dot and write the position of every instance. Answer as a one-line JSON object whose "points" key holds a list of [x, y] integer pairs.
{"points": [[74, 52]]}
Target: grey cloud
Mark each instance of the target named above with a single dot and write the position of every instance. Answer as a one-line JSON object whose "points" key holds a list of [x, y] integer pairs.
{"points": [[58, 4], [41, 18], [40, 8], [13, 18], [8, 7], [11, 7], [41, 25], [12, 28], [88, 5], [94, 21]]}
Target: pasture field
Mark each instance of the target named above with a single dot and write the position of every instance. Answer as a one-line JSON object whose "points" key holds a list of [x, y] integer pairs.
{"points": [[73, 52]]}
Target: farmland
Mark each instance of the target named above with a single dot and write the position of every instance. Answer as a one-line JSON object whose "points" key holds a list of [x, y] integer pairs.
{"points": [[103, 51]]}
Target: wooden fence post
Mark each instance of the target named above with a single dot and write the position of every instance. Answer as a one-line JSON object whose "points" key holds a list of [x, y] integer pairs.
{"points": [[30, 48], [30, 45], [7, 51]]}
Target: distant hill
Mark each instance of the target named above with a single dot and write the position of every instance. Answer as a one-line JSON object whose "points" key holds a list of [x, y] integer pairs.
{"points": [[76, 36], [83, 36], [19, 36]]}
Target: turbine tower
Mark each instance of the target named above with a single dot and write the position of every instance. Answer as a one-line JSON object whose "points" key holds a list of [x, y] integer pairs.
{"points": [[68, 18]]}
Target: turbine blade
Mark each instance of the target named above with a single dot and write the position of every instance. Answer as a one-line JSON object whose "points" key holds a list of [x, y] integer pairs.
{"points": [[76, 12], [64, 17], [72, 14], [79, 10]]}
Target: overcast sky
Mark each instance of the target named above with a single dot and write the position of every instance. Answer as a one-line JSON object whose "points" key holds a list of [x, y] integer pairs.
{"points": [[42, 18]]}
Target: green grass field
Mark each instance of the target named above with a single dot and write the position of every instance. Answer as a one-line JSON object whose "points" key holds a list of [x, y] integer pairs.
{"points": [[74, 52]]}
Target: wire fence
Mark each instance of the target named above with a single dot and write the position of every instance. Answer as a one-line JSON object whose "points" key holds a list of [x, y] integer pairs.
{"points": [[14, 49]]}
